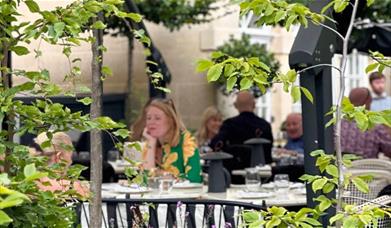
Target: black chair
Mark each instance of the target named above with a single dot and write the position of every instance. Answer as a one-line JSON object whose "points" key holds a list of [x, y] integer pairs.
{"points": [[129, 213]]}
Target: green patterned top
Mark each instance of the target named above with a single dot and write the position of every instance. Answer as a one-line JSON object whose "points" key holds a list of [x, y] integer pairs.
{"points": [[183, 160]]}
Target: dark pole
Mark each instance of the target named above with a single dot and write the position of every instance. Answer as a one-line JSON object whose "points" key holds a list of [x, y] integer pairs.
{"points": [[315, 45]]}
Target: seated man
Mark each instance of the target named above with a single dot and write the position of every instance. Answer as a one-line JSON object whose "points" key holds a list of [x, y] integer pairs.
{"points": [[245, 126], [367, 144]]}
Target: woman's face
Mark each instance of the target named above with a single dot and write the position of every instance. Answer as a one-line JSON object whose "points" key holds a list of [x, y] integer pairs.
{"points": [[157, 122], [213, 125]]}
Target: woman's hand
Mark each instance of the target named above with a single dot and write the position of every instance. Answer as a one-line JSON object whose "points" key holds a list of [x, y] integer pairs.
{"points": [[150, 150], [148, 137]]}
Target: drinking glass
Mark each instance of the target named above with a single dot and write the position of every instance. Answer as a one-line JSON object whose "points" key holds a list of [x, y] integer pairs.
{"points": [[253, 181], [281, 182], [165, 185]]}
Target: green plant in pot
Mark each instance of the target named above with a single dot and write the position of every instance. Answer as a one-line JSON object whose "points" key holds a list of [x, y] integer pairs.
{"points": [[245, 49]]}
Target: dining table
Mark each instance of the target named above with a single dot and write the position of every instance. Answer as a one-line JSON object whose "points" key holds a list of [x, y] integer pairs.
{"points": [[266, 195]]}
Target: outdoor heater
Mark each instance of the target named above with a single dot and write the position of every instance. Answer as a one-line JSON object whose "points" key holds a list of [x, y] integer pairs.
{"points": [[218, 176]]}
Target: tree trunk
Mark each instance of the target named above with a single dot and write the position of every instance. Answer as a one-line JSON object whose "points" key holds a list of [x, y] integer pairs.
{"points": [[128, 101], [96, 135]]}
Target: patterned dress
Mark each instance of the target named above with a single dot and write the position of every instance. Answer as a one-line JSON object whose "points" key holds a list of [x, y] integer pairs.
{"points": [[183, 160]]}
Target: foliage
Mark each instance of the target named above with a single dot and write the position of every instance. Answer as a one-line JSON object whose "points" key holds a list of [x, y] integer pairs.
{"points": [[173, 14], [324, 183], [243, 73], [250, 71], [22, 203], [242, 48]]}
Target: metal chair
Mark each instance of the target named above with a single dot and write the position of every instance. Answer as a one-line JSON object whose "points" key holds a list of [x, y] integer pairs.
{"points": [[381, 179], [170, 213], [371, 163], [382, 201]]}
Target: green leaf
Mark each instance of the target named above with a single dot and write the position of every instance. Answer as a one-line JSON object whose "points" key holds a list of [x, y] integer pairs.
{"points": [[340, 5], [361, 120], [123, 133], [328, 187], [316, 153], [98, 25], [274, 222], [325, 203], [35, 176], [29, 170], [231, 83], [277, 211], [336, 217], [370, 2], [309, 178], [214, 73], [20, 50], [85, 101], [251, 216], [332, 170], [312, 221], [350, 222], [295, 93], [307, 94], [10, 201], [4, 218], [216, 55], [318, 184], [291, 75], [135, 17], [203, 65], [106, 71], [371, 67], [245, 83], [360, 184], [33, 6]]}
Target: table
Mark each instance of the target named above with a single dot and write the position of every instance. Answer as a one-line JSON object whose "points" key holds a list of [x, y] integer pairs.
{"points": [[292, 198]]}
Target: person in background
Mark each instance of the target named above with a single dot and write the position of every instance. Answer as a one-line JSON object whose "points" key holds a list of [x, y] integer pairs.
{"points": [[59, 152], [380, 101], [294, 130], [367, 144], [210, 125], [169, 146], [245, 126]]}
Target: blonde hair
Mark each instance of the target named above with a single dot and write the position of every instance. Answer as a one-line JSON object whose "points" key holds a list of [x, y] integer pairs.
{"points": [[59, 140], [176, 124], [202, 133], [139, 125]]}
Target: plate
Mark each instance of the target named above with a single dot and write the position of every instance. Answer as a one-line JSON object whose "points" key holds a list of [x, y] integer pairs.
{"points": [[253, 195], [118, 188], [268, 185], [187, 185]]}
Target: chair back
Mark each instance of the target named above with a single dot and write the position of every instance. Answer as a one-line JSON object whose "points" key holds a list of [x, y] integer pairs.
{"points": [[382, 201], [372, 163], [381, 179], [157, 213]]}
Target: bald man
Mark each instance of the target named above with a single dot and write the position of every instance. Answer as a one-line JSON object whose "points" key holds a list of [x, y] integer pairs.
{"points": [[294, 130], [245, 126]]}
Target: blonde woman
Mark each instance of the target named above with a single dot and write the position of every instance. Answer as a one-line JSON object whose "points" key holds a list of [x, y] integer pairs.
{"points": [[169, 146], [210, 126]]}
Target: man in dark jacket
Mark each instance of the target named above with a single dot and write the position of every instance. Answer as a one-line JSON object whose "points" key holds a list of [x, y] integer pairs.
{"points": [[245, 126]]}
